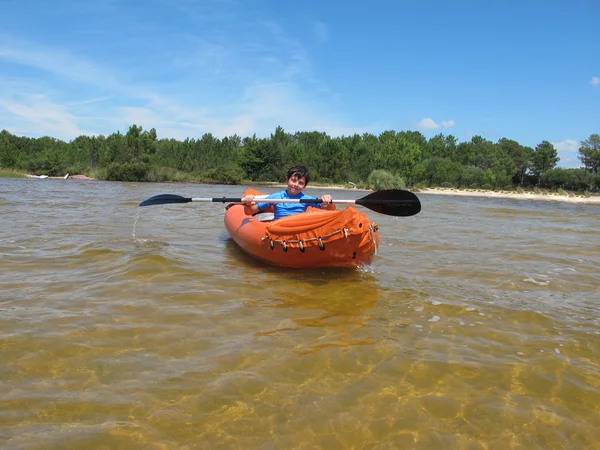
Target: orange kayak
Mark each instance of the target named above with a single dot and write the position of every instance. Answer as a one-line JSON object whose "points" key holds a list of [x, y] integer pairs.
{"points": [[315, 238]]}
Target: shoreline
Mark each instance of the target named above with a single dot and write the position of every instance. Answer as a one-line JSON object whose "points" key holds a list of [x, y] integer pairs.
{"points": [[552, 196], [66, 177], [511, 195]]}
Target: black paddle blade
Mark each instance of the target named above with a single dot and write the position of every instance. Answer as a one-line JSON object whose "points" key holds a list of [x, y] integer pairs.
{"points": [[392, 202], [164, 199]]}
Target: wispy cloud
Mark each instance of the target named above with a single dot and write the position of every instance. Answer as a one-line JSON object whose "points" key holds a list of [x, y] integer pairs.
{"points": [[58, 62], [229, 70], [198, 53], [100, 102], [297, 60], [430, 124], [320, 31], [45, 116], [595, 81], [89, 101], [259, 110]]}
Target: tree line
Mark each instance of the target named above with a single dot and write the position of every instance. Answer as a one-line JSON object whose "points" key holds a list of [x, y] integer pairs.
{"points": [[392, 159]]}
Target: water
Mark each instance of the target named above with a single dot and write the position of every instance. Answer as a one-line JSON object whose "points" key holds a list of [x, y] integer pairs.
{"points": [[477, 326]]}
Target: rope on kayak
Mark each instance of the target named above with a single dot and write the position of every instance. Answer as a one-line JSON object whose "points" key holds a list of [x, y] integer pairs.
{"points": [[301, 242], [372, 229]]}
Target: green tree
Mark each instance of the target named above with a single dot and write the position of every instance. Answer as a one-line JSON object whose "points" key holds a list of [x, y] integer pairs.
{"points": [[361, 160], [409, 158], [442, 170], [440, 146], [8, 151], [262, 159], [545, 158], [332, 164], [472, 177], [570, 179], [521, 157], [590, 153]]}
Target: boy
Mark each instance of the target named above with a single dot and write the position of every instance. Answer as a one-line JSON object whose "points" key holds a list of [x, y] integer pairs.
{"points": [[297, 179]]}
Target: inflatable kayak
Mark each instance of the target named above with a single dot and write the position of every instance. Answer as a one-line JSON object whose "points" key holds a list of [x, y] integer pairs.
{"points": [[315, 238]]}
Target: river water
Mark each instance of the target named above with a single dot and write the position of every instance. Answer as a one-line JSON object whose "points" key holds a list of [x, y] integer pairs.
{"points": [[477, 326]]}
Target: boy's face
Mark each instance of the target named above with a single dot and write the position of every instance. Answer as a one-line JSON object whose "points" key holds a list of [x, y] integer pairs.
{"points": [[295, 184]]}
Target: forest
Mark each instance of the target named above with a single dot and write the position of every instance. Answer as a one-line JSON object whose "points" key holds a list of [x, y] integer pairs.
{"points": [[390, 160]]}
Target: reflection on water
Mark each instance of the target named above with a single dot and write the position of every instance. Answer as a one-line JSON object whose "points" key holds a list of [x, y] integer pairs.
{"points": [[477, 326]]}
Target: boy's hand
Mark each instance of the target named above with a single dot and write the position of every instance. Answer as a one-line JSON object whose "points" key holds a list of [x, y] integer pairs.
{"points": [[249, 200], [326, 199]]}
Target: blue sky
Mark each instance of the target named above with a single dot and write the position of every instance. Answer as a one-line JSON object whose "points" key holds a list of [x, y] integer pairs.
{"points": [[527, 70]]}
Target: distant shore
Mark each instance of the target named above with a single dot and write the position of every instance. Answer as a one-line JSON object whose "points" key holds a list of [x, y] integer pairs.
{"points": [[551, 196]]}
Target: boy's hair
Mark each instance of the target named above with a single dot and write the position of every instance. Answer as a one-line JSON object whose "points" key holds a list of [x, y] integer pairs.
{"points": [[301, 172]]}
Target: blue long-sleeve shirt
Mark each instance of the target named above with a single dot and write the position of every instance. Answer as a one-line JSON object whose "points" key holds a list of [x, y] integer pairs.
{"points": [[287, 209]]}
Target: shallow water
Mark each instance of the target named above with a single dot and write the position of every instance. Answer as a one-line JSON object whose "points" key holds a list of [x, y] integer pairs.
{"points": [[477, 326]]}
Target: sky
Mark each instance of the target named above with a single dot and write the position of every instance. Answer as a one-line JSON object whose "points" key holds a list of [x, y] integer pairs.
{"points": [[523, 70]]}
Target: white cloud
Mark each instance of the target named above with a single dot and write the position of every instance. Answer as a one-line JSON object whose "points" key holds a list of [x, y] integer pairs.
{"points": [[430, 124], [566, 146], [568, 150], [595, 81], [427, 124]]}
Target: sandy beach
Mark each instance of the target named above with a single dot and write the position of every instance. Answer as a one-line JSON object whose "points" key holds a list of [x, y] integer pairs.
{"points": [[575, 198], [552, 196]]}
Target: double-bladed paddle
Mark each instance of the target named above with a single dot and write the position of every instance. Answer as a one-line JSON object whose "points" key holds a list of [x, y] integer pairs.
{"points": [[392, 202]]}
